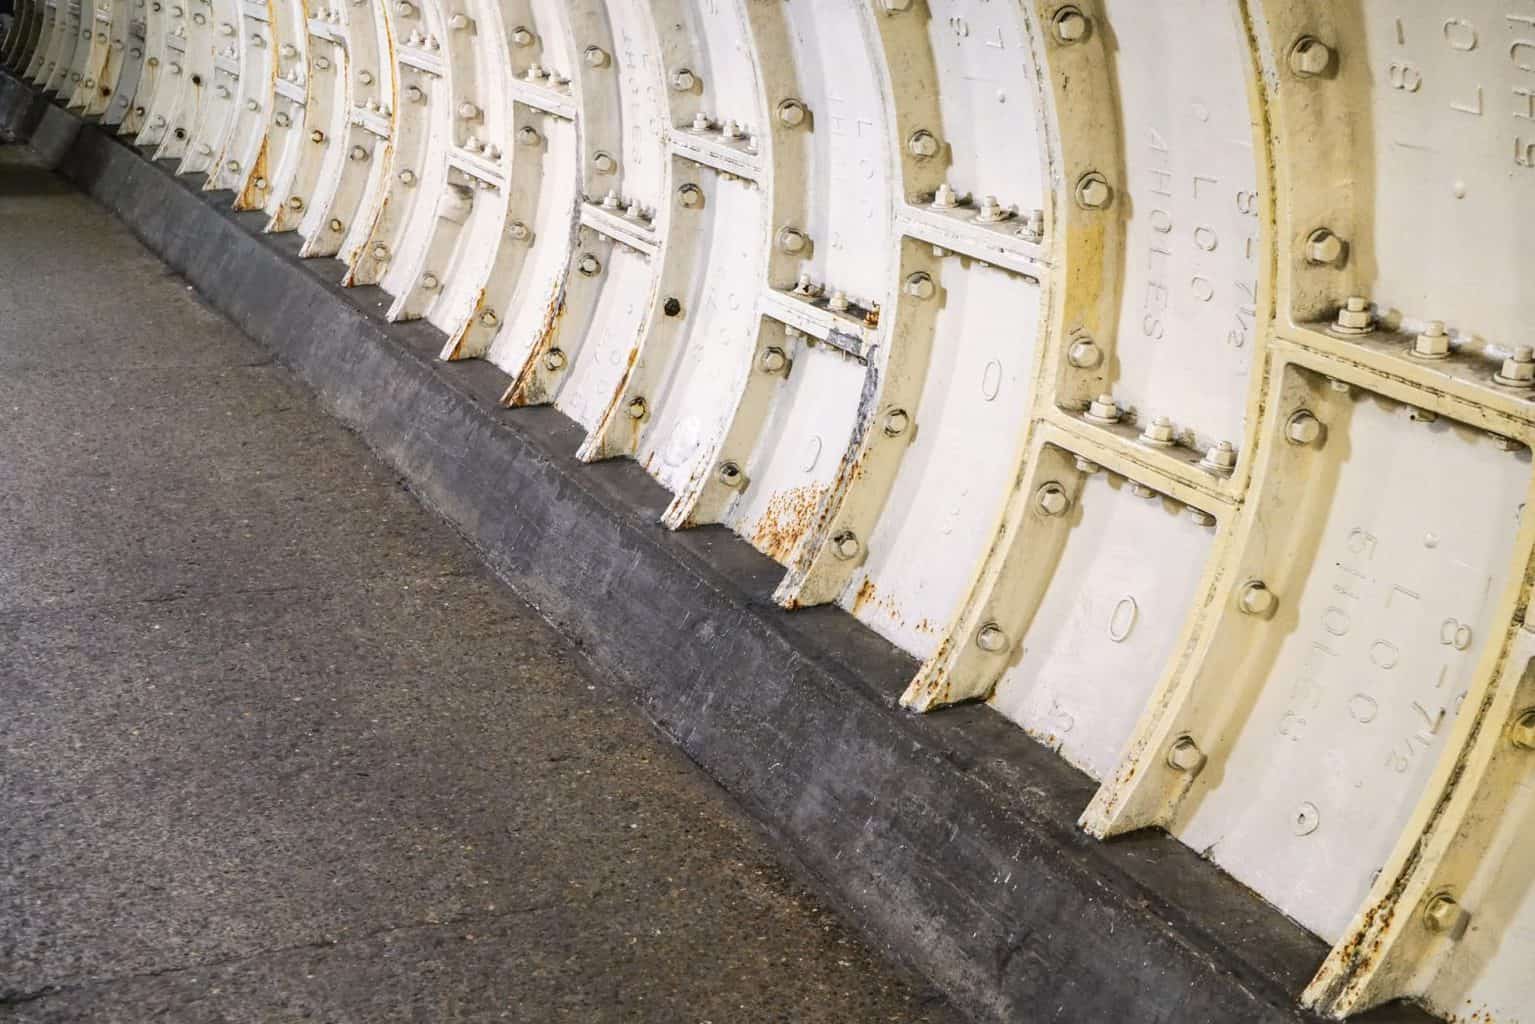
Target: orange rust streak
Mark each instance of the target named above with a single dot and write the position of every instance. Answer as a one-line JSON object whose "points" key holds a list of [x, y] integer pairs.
{"points": [[784, 522]]}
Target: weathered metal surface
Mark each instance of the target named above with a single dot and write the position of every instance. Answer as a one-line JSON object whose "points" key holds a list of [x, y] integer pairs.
{"points": [[1024, 332]]}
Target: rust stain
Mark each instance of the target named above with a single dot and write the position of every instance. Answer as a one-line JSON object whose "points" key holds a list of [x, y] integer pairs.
{"points": [[864, 596], [787, 516], [459, 337], [250, 197], [531, 386]]}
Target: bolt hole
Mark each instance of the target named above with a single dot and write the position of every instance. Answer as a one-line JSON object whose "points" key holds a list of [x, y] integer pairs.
{"points": [[672, 307]]}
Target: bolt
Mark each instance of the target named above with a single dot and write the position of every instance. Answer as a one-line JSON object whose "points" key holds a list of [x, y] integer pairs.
{"points": [[611, 201], [701, 122], [1051, 499], [845, 545], [792, 113], [1433, 342], [518, 231], [554, 360], [365, 77], [1355, 317], [1033, 227], [429, 281], [838, 301], [1103, 409], [468, 111], [991, 211], [1323, 248], [792, 240], [589, 265], [690, 196], [991, 639], [1086, 466], [259, 184], [535, 73], [1309, 57], [595, 57], [405, 9], [335, 225], [1302, 428], [381, 252], [489, 318], [1093, 192], [415, 94], [407, 177], [637, 409], [603, 163], [1159, 433], [359, 153], [1442, 915], [528, 136], [521, 36], [1518, 369], [295, 202], [252, 106], [1522, 732], [1201, 517], [1185, 756], [945, 198], [730, 129], [1255, 598], [897, 422], [684, 80], [1141, 490], [1069, 25], [322, 63], [920, 286], [773, 360], [922, 144], [1084, 354], [730, 474], [1220, 459]]}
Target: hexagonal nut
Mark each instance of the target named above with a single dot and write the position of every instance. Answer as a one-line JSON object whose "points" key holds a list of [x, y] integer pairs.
{"points": [[554, 360], [1103, 409], [683, 80], [690, 196], [845, 545], [1325, 249], [792, 240], [896, 423], [595, 57], [1518, 370]]}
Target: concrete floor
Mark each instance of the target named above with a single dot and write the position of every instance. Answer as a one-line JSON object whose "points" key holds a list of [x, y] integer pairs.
{"points": [[274, 747]]}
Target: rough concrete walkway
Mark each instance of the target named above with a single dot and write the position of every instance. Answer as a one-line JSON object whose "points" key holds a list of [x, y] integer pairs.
{"points": [[273, 747]]}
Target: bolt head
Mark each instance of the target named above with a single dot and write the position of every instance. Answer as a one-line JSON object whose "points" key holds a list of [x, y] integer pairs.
{"points": [[521, 36], [1309, 57], [1185, 756], [1444, 916], [1069, 25], [792, 113], [1084, 354], [1433, 342], [792, 241], [845, 545], [1103, 409], [295, 203], [773, 360], [1051, 499], [1303, 428], [528, 136], [920, 286], [1355, 317], [922, 144], [589, 265], [1093, 191], [897, 422], [729, 474], [603, 163], [595, 57], [554, 360], [1255, 598], [335, 225], [1159, 433], [991, 639], [1323, 248], [690, 196], [1522, 732], [683, 80], [1201, 517], [637, 409]]}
